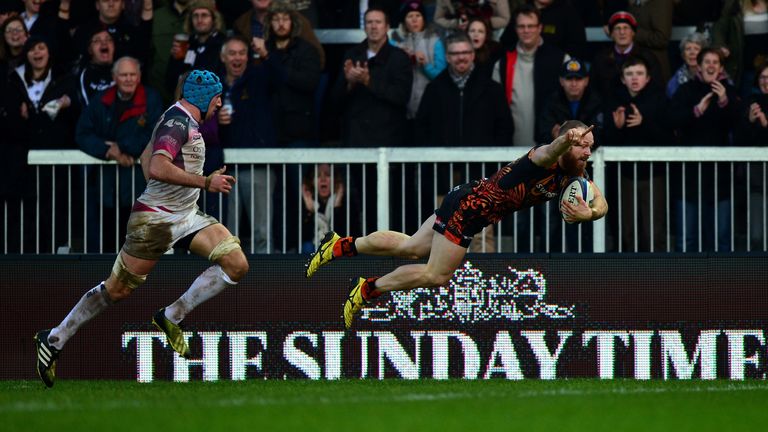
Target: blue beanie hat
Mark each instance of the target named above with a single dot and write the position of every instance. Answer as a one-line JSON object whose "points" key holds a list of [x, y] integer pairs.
{"points": [[200, 87]]}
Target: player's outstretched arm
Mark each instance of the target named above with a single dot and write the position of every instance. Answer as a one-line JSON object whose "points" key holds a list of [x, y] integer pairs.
{"points": [[546, 155], [162, 169]]}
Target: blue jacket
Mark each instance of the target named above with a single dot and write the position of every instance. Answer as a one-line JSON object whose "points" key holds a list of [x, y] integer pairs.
{"points": [[132, 131]]}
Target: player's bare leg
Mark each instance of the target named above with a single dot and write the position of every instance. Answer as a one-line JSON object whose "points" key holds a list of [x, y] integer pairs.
{"points": [[445, 257], [217, 244], [396, 244], [381, 243]]}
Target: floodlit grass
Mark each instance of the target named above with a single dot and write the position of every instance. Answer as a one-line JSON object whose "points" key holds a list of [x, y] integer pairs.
{"points": [[389, 405]]}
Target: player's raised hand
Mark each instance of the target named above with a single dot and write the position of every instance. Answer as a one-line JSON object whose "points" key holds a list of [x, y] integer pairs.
{"points": [[217, 181], [574, 136]]}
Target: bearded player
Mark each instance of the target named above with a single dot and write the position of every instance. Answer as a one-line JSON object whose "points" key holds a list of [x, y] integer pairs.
{"points": [[164, 216], [535, 178]]}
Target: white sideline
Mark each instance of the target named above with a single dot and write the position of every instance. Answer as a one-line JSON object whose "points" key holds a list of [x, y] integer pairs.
{"points": [[34, 406]]}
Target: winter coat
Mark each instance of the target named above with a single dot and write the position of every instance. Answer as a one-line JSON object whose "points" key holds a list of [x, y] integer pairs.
{"points": [[132, 131], [547, 63], [606, 69], [654, 28], [558, 110], [562, 27], [374, 115], [297, 71], [252, 122], [475, 116]]}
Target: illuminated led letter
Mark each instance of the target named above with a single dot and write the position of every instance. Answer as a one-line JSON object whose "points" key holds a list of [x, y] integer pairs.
{"points": [[363, 335], [145, 369], [504, 350], [673, 350], [390, 348], [605, 349], [641, 341], [303, 361], [332, 344], [209, 362], [238, 352], [547, 361], [736, 357], [440, 356]]}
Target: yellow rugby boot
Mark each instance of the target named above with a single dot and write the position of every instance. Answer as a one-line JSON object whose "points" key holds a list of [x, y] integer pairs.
{"points": [[355, 302], [173, 333], [324, 253]]}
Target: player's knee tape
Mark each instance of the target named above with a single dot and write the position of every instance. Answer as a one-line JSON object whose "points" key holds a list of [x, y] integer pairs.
{"points": [[130, 280], [224, 247]]}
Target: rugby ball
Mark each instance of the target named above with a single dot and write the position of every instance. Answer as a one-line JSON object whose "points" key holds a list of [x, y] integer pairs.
{"points": [[576, 186]]}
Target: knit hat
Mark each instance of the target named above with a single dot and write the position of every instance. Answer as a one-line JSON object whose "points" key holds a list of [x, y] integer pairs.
{"points": [[412, 6], [200, 87], [622, 17]]}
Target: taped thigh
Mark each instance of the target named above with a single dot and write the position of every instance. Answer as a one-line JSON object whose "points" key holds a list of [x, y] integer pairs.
{"points": [[124, 276], [224, 247]]}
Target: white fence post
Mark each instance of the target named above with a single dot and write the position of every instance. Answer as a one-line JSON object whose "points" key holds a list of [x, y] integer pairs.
{"points": [[382, 189], [598, 176]]}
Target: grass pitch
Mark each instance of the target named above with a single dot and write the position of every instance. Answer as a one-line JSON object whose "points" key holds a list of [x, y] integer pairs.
{"points": [[389, 405]]}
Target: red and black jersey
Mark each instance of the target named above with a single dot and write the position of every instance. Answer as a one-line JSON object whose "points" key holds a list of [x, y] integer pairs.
{"points": [[470, 207]]}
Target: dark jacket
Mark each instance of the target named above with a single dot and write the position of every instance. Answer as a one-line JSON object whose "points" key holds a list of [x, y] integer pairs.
{"points": [[252, 123], [14, 146], [748, 133], [297, 68], [714, 126], [100, 122], [547, 63], [606, 69], [477, 115], [374, 116], [91, 80], [130, 40], [753, 134], [558, 110], [562, 27], [38, 130], [242, 27], [654, 129]]}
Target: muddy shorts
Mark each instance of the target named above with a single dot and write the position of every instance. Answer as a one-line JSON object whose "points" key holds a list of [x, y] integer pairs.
{"points": [[152, 232]]}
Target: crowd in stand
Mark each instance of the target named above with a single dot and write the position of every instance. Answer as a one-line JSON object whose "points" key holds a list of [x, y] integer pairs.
{"points": [[96, 75]]}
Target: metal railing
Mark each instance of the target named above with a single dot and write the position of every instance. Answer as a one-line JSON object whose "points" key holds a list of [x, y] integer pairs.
{"points": [[397, 188]]}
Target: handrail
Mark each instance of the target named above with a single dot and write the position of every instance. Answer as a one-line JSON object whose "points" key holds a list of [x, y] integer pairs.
{"points": [[384, 156]]}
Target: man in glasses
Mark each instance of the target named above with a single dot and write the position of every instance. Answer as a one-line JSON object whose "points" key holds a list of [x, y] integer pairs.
{"points": [[462, 106]]}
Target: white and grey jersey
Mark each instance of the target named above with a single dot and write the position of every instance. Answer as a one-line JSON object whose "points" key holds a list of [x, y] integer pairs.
{"points": [[177, 136]]}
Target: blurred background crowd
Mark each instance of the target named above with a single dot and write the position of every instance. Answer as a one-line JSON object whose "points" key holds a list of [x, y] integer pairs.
{"points": [[95, 75]]}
